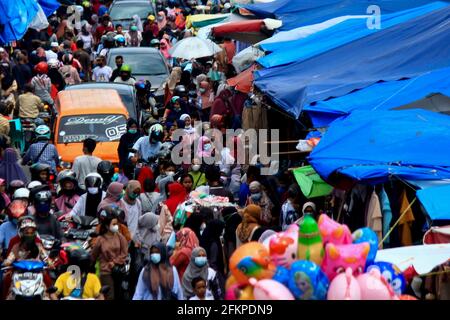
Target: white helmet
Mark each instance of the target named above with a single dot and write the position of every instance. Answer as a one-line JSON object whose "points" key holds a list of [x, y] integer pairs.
{"points": [[53, 63], [34, 184], [21, 193]]}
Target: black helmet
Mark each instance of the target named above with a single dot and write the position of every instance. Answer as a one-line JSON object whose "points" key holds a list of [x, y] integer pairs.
{"points": [[105, 168], [81, 258], [156, 133], [14, 185], [180, 91], [66, 175], [111, 212], [93, 180], [39, 167], [42, 196], [109, 42]]}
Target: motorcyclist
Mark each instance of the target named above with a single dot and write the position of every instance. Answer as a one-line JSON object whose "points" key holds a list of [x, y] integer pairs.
{"points": [[22, 194], [88, 202], [45, 219], [42, 151], [125, 76], [42, 85], [8, 230], [155, 43], [148, 147], [106, 170], [120, 41], [88, 286], [68, 197], [41, 172]]}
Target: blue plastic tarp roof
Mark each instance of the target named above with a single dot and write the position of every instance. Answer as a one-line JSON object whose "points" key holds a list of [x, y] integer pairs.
{"points": [[406, 50], [371, 146], [297, 13], [49, 6], [436, 202], [16, 16], [338, 35], [380, 96]]}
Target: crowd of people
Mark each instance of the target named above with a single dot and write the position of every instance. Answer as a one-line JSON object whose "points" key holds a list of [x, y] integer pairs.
{"points": [[136, 206]]}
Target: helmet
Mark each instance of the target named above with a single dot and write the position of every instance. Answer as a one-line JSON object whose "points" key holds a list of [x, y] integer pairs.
{"points": [[86, 4], [111, 212], [154, 42], [34, 184], [21, 193], [14, 185], [16, 209], [79, 257], [67, 58], [53, 63], [125, 68], [42, 131], [105, 168], [43, 196], [156, 132], [143, 85], [39, 167], [109, 42], [93, 180], [180, 91], [26, 222], [66, 175], [120, 38], [41, 68]]}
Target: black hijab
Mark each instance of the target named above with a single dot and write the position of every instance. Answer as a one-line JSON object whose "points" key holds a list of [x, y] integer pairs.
{"points": [[92, 202], [211, 235], [127, 140]]}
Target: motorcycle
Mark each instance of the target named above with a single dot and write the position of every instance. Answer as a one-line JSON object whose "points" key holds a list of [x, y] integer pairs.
{"points": [[28, 127], [83, 232], [27, 280], [57, 257]]}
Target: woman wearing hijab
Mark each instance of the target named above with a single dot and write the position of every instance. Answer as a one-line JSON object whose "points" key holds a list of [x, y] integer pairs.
{"points": [[174, 78], [165, 217], [198, 267], [195, 222], [127, 141], [206, 95], [158, 280], [186, 242], [232, 220], [162, 187], [114, 195], [133, 205], [176, 195], [9, 167], [164, 48], [259, 197], [161, 20], [133, 37], [251, 222], [146, 235], [205, 148], [149, 197], [88, 203], [210, 240], [221, 105]]}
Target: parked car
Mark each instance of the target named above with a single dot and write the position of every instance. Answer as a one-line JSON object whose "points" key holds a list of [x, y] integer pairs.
{"points": [[146, 64], [122, 12], [126, 92]]}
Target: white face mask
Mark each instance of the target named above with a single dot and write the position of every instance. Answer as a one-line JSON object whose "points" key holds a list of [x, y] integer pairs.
{"points": [[207, 147], [196, 167], [114, 228], [170, 173], [93, 190]]}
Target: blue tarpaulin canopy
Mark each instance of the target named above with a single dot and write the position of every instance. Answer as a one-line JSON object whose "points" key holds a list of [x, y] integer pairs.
{"points": [[405, 50], [49, 6], [436, 202], [371, 146], [297, 13], [338, 35], [16, 16], [380, 96]]}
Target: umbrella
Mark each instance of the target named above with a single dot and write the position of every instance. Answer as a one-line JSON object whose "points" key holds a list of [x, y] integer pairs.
{"points": [[310, 182], [243, 81], [194, 47], [436, 102]]}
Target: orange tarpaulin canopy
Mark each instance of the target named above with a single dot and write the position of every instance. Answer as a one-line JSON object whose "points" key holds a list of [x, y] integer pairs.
{"points": [[243, 82]]}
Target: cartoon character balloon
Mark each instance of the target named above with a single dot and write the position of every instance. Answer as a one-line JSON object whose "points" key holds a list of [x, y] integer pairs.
{"points": [[340, 257], [344, 287], [251, 260], [367, 235], [268, 289], [392, 274], [239, 292], [283, 248], [282, 275], [334, 232], [310, 246], [374, 286], [307, 281]]}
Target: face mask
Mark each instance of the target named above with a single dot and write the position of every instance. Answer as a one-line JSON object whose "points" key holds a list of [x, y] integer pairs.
{"points": [[256, 196], [196, 167], [68, 192], [200, 261], [29, 239], [224, 180], [132, 131], [43, 209], [114, 228], [93, 190], [170, 173], [207, 147], [202, 90], [155, 258], [125, 78], [133, 196]]}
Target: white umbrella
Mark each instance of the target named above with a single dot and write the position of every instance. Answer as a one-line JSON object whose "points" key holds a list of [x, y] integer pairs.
{"points": [[194, 47]]}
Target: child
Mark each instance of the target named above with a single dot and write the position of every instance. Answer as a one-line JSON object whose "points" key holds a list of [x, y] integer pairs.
{"points": [[199, 286]]}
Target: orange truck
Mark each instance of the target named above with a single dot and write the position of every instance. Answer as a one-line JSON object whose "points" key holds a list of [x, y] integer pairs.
{"points": [[95, 113]]}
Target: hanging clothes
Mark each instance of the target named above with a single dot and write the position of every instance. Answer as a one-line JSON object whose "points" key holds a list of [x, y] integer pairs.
{"points": [[386, 212], [374, 218], [406, 221], [254, 117]]}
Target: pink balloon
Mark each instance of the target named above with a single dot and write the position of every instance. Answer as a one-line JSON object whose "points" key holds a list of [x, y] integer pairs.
{"points": [[375, 287], [268, 289], [344, 287]]}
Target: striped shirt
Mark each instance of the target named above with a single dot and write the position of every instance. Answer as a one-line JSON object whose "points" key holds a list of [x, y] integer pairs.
{"points": [[49, 156]]}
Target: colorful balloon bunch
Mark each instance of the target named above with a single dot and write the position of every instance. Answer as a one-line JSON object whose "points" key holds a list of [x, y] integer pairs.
{"points": [[314, 261]]}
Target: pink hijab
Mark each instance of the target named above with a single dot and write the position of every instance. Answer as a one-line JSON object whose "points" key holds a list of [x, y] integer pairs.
{"points": [[113, 196], [161, 24], [165, 51], [201, 153]]}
